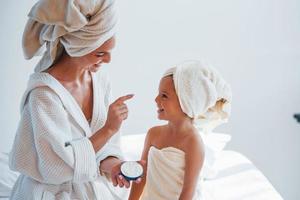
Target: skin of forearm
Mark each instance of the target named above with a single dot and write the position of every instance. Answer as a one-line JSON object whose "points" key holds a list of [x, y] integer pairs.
{"points": [[186, 195], [100, 138], [137, 189], [107, 164]]}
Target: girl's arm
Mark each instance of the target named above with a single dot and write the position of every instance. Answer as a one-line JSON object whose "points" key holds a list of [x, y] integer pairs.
{"points": [[194, 158], [137, 189]]}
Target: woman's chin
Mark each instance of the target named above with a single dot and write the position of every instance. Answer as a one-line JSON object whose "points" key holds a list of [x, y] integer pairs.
{"points": [[94, 68]]}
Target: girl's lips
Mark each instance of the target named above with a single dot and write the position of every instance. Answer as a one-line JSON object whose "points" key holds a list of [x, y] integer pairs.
{"points": [[160, 110]]}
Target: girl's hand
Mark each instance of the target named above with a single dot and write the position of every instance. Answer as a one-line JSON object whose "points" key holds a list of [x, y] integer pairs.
{"points": [[117, 112]]}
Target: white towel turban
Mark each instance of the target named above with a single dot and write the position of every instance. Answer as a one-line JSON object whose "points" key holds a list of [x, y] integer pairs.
{"points": [[78, 26], [199, 87]]}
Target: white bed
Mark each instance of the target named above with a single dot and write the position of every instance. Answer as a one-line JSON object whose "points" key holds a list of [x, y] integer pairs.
{"points": [[237, 177]]}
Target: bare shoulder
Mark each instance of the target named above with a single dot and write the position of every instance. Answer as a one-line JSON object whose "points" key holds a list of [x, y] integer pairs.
{"points": [[193, 143], [153, 133], [156, 129], [150, 140]]}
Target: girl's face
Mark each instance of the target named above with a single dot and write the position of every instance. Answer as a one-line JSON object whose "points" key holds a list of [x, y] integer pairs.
{"points": [[167, 101], [100, 55]]}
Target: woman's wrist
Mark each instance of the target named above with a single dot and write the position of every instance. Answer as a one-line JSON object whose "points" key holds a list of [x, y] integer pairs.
{"points": [[109, 163], [109, 131], [101, 137]]}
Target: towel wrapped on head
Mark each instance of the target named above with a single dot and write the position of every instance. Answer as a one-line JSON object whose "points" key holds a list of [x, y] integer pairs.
{"points": [[202, 92], [78, 26]]}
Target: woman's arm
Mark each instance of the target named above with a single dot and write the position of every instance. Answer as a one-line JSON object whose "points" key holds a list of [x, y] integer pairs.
{"points": [[117, 112], [194, 159], [106, 142], [137, 189]]}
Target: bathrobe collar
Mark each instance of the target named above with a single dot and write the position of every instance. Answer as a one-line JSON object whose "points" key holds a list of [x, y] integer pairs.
{"points": [[68, 101]]}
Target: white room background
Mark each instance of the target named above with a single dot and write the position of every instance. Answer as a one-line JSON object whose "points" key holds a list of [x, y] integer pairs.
{"points": [[255, 44]]}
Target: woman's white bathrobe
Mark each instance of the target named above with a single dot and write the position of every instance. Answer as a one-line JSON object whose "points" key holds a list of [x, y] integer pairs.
{"points": [[51, 148]]}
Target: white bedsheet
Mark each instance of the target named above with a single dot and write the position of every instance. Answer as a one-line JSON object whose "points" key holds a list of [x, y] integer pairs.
{"points": [[239, 179]]}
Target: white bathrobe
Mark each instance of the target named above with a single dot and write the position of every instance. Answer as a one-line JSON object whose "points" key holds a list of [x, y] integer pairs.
{"points": [[51, 148]]}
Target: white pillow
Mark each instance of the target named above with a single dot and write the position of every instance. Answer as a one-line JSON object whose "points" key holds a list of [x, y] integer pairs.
{"points": [[132, 146], [7, 176], [214, 145]]}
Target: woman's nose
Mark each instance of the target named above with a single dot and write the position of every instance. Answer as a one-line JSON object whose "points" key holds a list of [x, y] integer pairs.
{"points": [[107, 58]]}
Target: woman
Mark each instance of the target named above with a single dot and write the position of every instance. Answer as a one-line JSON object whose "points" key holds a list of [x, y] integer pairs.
{"points": [[68, 133]]}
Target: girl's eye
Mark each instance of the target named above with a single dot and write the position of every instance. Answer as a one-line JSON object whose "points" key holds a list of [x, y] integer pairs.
{"points": [[164, 96]]}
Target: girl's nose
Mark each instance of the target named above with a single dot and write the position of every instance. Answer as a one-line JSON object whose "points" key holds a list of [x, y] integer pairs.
{"points": [[156, 99]]}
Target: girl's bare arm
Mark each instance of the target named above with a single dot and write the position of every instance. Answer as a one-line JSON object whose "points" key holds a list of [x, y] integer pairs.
{"points": [[194, 158], [137, 189]]}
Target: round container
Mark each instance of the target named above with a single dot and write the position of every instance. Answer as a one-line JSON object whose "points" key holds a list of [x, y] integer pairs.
{"points": [[131, 170]]}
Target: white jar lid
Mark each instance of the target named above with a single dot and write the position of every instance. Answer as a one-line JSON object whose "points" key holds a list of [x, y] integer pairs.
{"points": [[131, 170]]}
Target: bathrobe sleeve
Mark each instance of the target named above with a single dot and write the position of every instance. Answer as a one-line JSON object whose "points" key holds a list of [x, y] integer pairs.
{"points": [[111, 148], [53, 156]]}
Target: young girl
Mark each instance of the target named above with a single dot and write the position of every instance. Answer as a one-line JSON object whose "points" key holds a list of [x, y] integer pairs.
{"points": [[174, 152]]}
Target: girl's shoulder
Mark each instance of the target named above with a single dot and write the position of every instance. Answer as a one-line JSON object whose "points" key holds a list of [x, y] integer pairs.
{"points": [[156, 129], [194, 141], [155, 132]]}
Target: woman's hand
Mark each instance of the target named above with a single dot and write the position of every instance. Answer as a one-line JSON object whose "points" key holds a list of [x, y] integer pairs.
{"points": [[118, 179], [117, 112]]}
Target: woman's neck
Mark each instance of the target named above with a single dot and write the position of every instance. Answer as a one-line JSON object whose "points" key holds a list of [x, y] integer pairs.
{"points": [[70, 66]]}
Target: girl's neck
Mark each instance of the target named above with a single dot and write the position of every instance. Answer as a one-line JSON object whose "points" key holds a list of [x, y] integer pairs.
{"points": [[181, 125]]}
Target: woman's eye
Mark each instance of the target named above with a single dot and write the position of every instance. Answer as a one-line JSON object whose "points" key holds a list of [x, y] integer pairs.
{"points": [[164, 96], [100, 54]]}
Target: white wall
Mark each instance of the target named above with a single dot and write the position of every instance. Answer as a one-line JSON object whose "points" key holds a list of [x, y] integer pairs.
{"points": [[255, 44]]}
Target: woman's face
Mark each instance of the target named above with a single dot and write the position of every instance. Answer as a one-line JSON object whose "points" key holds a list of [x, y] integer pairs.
{"points": [[167, 101], [100, 55]]}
